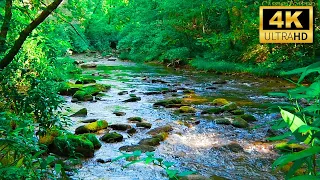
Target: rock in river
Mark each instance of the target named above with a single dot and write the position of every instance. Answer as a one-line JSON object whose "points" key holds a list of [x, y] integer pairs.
{"points": [[92, 127], [81, 113], [112, 137], [120, 127]]}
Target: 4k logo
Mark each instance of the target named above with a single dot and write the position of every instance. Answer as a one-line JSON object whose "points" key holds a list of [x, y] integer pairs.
{"points": [[285, 24]]}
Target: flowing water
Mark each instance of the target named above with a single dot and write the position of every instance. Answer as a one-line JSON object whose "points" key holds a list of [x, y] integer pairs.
{"points": [[190, 146]]}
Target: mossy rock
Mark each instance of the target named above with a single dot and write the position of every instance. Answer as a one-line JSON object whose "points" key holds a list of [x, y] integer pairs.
{"points": [[132, 95], [72, 145], [186, 109], [239, 122], [112, 137], [168, 102], [120, 127], [135, 119], [248, 117], [213, 111], [162, 136], [49, 137], [81, 113], [119, 113], [92, 127], [86, 93], [220, 102], [237, 112], [69, 89], [161, 129], [133, 99], [144, 125], [131, 131], [188, 91], [230, 107], [123, 93], [194, 99], [150, 141], [85, 81], [284, 146], [224, 121], [142, 148], [95, 141]]}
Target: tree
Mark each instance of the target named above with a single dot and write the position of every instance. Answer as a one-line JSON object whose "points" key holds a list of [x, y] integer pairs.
{"points": [[9, 57]]}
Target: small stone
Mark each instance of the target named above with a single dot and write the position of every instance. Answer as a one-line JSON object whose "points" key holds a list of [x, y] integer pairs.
{"points": [[150, 141], [248, 117], [73, 100], [135, 119], [120, 127], [91, 65], [131, 131], [112, 137], [123, 93], [89, 120], [92, 127], [119, 113], [220, 102], [144, 125], [212, 111], [220, 82], [230, 107], [239, 122], [158, 130], [133, 99], [237, 112], [81, 113], [142, 148], [186, 109]]}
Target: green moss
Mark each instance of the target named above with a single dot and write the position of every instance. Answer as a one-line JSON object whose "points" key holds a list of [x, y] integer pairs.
{"points": [[85, 81], [168, 102], [95, 141], [162, 136], [223, 121], [239, 122], [69, 89], [212, 111], [150, 142], [144, 125], [161, 129], [120, 127], [220, 102], [284, 146], [86, 93], [72, 145], [92, 127], [135, 119], [230, 107], [112, 137], [237, 112], [186, 109], [81, 113], [248, 117]]}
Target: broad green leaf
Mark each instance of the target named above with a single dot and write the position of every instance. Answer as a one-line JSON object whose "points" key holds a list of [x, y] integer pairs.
{"points": [[168, 164], [150, 154], [133, 162], [281, 137], [306, 177], [149, 160], [171, 173], [283, 160], [312, 108], [296, 165], [294, 123], [306, 128], [315, 67], [295, 71], [57, 168], [137, 153], [50, 159], [186, 173]]}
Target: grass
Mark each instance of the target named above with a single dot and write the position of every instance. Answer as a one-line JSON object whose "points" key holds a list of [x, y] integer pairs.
{"points": [[231, 67]]}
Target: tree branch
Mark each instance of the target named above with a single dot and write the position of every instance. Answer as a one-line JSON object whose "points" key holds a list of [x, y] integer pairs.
{"points": [[26, 32], [6, 24]]}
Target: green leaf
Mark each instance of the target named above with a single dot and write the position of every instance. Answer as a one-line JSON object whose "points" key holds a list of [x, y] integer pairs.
{"points": [[171, 173], [168, 164], [283, 160], [57, 168], [294, 123], [295, 71], [50, 159], [186, 173], [278, 94], [296, 165], [304, 177], [133, 162], [280, 137], [150, 154], [315, 67], [306, 128], [149, 160], [137, 153]]}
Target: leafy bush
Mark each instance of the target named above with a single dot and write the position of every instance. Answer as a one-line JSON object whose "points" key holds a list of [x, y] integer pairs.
{"points": [[303, 120]]}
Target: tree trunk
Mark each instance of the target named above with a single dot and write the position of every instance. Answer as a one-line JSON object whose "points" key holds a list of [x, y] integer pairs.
{"points": [[26, 32], [6, 25]]}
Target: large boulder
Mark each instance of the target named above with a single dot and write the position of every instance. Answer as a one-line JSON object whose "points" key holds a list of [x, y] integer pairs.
{"points": [[92, 127], [72, 146], [86, 93]]}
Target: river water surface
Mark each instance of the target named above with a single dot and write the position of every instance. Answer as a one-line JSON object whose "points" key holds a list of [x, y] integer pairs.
{"points": [[195, 140]]}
